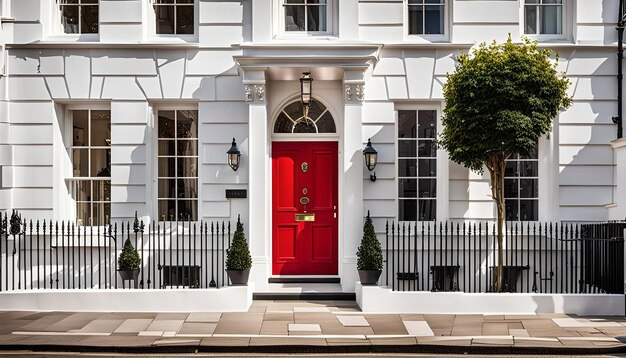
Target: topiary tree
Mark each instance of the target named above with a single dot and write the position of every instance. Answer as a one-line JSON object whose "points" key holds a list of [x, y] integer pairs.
{"points": [[238, 256], [500, 100], [129, 259], [369, 254]]}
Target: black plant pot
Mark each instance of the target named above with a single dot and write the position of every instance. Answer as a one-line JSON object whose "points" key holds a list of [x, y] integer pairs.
{"points": [[369, 277], [238, 277], [129, 275]]}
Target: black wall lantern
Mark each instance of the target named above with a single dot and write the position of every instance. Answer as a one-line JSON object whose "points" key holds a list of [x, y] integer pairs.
{"points": [[234, 156], [371, 158], [306, 90]]}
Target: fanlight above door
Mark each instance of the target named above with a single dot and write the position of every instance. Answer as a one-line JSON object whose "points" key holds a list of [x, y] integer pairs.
{"points": [[291, 119]]}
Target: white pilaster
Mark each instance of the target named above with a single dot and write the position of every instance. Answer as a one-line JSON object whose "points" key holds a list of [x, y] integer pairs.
{"points": [[259, 199], [618, 209], [352, 196]]}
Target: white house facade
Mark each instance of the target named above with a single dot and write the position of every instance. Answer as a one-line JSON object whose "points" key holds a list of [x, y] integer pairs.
{"points": [[111, 107]]}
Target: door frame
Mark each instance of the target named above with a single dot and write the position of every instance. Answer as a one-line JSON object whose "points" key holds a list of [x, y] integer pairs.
{"points": [[305, 137]]}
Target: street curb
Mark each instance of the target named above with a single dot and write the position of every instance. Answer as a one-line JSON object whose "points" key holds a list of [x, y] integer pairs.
{"points": [[417, 348]]}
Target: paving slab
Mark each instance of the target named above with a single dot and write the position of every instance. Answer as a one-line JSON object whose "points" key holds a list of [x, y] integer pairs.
{"points": [[133, 325], [197, 328], [353, 321], [208, 317], [418, 328]]}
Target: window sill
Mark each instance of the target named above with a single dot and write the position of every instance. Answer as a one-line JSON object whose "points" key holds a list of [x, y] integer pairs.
{"points": [[74, 38]]}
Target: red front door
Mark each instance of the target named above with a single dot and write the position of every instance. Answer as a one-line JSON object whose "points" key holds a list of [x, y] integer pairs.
{"points": [[304, 207]]}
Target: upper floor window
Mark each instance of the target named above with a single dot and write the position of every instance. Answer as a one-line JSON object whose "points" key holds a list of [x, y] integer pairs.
{"points": [[543, 17], [174, 17], [91, 166], [79, 16], [306, 15], [426, 17]]}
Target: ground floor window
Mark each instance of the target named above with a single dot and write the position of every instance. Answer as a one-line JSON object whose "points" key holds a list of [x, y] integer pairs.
{"points": [[90, 151], [178, 165], [417, 165], [521, 187]]}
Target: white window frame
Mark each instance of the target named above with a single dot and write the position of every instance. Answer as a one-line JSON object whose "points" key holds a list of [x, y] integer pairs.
{"points": [[58, 29], [566, 23], [441, 199], [519, 178], [428, 37], [173, 37], [154, 155], [68, 163], [331, 22]]}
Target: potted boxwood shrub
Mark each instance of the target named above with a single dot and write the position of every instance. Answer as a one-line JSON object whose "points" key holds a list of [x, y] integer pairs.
{"points": [[238, 260], [129, 262], [370, 255]]}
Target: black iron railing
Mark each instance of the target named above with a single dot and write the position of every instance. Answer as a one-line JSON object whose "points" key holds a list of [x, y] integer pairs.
{"points": [[61, 255], [537, 257]]}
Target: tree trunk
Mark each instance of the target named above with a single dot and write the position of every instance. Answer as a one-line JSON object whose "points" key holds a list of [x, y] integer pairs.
{"points": [[496, 171]]}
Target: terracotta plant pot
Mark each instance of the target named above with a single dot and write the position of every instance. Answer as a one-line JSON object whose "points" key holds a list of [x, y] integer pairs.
{"points": [[238, 277], [369, 277]]}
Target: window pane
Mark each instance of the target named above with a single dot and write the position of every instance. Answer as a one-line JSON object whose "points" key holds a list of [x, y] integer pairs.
{"points": [[426, 148], [551, 18], [316, 18], [81, 190], [167, 147], [407, 148], [428, 188], [100, 163], [80, 162], [185, 20], [530, 20], [407, 126], [100, 128], [167, 124], [294, 18], [187, 126], [69, 19], [89, 19], [101, 190], [283, 124], [427, 167], [187, 167], [529, 168], [167, 188], [326, 124], [416, 20], [511, 188], [407, 210], [164, 19], [304, 127], [83, 214], [167, 210], [510, 168], [407, 188], [511, 210], [407, 168], [528, 210], [188, 210], [101, 214], [187, 188], [529, 188], [80, 128], [187, 147], [427, 124], [427, 210], [434, 20], [167, 167]]}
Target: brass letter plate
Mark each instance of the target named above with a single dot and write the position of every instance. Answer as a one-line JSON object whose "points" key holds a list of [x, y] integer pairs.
{"points": [[305, 217]]}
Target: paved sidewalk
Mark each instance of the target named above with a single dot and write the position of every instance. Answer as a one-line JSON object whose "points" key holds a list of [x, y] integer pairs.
{"points": [[296, 326]]}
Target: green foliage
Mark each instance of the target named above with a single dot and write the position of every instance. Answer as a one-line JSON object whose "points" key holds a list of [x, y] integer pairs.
{"points": [[238, 257], [500, 100], [129, 259], [370, 254]]}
